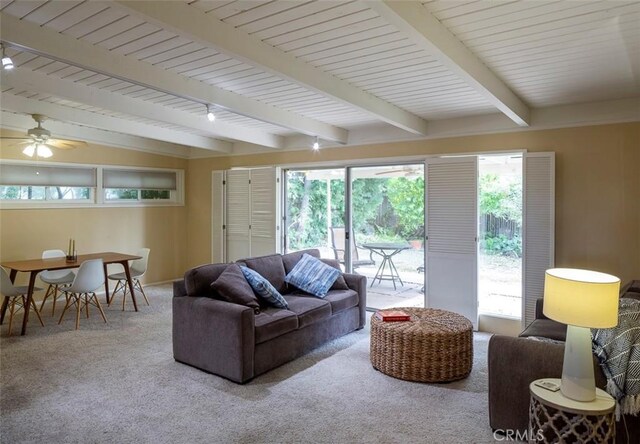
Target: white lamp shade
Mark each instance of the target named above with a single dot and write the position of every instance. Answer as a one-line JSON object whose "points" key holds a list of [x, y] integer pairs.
{"points": [[581, 297]]}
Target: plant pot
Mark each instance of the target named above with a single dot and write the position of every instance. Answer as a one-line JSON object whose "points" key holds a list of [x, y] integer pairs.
{"points": [[416, 244]]}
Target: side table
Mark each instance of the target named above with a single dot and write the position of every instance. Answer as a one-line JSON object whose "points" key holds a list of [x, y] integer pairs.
{"points": [[554, 418]]}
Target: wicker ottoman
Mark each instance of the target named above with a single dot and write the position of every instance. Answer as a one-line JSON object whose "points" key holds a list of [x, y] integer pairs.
{"points": [[435, 346]]}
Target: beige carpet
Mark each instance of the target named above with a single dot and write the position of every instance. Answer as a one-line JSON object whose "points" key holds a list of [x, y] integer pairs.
{"points": [[118, 383]]}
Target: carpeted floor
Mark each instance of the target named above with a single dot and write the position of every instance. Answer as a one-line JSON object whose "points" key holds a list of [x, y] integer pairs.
{"points": [[118, 383]]}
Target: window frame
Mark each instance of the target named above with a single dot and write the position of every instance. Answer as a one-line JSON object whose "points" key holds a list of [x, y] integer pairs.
{"points": [[97, 194]]}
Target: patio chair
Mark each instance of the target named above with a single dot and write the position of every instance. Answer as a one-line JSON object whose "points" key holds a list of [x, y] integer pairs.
{"points": [[338, 244]]}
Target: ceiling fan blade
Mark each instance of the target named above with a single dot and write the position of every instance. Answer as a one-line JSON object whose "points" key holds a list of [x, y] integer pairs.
{"points": [[15, 141], [64, 144], [15, 138], [389, 172]]}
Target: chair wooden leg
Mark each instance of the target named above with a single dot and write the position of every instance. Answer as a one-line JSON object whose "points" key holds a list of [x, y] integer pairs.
{"points": [[5, 304], [65, 307], [86, 304], [46, 295], [78, 308], [142, 291], [95, 298], [124, 295], [12, 309], [55, 298], [35, 308]]}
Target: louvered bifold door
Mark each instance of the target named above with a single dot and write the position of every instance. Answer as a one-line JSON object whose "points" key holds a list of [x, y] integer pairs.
{"points": [[217, 217], [263, 211], [237, 189], [538, 227], [452, 227]]}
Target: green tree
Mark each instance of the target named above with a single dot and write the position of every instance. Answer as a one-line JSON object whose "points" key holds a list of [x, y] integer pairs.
{"points": [[407, 199]]}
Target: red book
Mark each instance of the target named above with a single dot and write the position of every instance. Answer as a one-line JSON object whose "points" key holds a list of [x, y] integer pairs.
{"points": [[393, 316]]}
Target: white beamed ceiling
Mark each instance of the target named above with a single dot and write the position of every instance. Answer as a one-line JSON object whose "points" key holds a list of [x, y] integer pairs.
{"points": [[544, 53]]}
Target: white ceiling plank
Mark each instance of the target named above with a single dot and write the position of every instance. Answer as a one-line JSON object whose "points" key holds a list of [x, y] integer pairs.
{"points": [[85, 55], [67, 114], [189, 22], [425, 30], [105, 99], [20, 122]]}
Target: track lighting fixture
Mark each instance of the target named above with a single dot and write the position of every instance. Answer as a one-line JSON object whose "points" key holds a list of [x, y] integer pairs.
{"points": [[210, 114], [7, 63], [316, 144]]}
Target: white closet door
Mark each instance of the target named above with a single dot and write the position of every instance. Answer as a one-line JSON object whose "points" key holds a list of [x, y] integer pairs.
{"points": [[238, 215], [263, 211], [452, 230], [538, 228]]}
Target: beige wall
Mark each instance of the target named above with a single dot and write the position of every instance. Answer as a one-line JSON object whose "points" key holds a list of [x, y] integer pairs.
{"points": [[25, 233], [597, 199], [597, 188]]}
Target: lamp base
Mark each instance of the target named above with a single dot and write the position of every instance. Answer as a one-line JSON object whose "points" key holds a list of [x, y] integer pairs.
{"points": [[578, 382]]}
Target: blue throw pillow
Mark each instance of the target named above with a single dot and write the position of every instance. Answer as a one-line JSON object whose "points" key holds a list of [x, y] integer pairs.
{"points": [[263, 288], [313, 276]]}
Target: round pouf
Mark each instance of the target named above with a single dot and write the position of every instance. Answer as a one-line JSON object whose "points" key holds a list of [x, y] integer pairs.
{"points": [[435, 346]]}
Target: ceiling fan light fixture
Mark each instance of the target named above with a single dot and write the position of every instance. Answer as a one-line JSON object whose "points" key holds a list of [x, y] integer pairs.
{"points": [[44, 151], [210, 115], [316, 144], [7, 63], [29, 150]]}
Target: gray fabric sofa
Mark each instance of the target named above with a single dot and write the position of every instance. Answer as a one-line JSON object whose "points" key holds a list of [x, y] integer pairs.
{"points": [[515, 362], [230, 340]]}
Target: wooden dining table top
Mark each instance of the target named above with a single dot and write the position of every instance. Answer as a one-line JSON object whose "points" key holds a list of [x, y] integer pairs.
{"points": [[60, 263]]}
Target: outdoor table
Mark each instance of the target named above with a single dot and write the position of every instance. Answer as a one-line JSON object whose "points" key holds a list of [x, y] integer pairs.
{"points": [[387, 250]]}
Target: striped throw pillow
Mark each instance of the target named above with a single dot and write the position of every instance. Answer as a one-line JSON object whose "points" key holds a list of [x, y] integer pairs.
{"points": [[313, 276], [263, 288]]}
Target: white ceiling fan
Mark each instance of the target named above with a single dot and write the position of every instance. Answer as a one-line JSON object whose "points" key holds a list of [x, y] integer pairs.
{"points": [[39, 141], [408, 171]]}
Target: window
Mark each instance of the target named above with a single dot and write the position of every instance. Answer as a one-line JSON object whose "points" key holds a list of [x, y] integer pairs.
{"points": [[139, 185], [34, 185], [46, 183]]}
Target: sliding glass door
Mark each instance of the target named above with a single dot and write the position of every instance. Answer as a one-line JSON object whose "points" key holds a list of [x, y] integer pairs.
{"points": [[387, 233], [384, 240], [315, 211]]}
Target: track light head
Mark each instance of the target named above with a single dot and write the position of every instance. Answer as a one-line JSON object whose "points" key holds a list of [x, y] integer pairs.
{"points": [[7, 63], [316, 144], [210, 115]]}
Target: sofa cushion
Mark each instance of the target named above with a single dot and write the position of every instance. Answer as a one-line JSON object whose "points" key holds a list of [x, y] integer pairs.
{"points": [[233, 287], [341, 300], [312, 275], [263, 288], [290, 260], [270, 267], [546, 328], [309, 309], [197, 281], [273, 322]]}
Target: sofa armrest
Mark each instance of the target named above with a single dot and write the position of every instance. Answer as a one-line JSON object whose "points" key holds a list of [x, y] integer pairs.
{"points": [[179, 288], [539, 309], [215, 336], [513, 363], [358, 283]]}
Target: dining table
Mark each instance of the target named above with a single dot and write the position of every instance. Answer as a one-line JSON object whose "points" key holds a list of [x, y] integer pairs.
{"points": [[387, 250], [35, 266]]}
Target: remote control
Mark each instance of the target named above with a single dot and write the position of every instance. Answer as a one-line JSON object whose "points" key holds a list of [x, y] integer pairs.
{"points": [[547, 385]]}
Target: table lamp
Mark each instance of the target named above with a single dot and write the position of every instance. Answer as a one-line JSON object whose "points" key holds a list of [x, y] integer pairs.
{"points": [[582, 299]]}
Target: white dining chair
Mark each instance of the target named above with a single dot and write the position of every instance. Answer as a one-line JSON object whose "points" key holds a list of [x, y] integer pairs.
{"points": [[55, 279], [15, 296], [137, 269], [82, 291]]}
